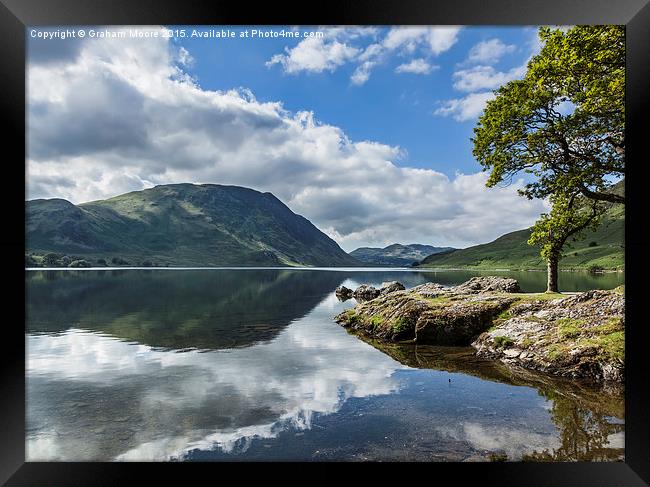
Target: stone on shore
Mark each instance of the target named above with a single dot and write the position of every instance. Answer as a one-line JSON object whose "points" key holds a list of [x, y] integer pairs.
{"points": [[392, 286], [578, 336], [482, 284], [365, 293], [343, 293], [426, 314]]}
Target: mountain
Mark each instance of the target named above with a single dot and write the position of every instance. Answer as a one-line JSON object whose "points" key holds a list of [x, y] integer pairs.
{"points": [[396, 254], [603, 247], [181, 224]]}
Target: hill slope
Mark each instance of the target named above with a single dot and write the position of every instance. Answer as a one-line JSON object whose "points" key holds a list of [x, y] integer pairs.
{"points": [[182, 224], [602, 247], [396, 254]]}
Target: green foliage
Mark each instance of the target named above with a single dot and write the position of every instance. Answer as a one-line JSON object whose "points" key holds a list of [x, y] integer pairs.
{"points": [[593, 244], [352, 316], [595, 268], [80, 263], [568, 217], [51, 259], [376, 321], [564, 122], [401, 324]]}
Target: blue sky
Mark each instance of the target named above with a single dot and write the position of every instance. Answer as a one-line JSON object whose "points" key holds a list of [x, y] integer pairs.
{"points": [[395, 108], [365, 131]]}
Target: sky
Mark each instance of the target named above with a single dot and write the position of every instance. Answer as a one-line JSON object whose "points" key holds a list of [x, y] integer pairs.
{"points": [[365, 131]]}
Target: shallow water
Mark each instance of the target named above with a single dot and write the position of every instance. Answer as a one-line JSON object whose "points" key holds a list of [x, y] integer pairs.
{"points": [[249, 365]]}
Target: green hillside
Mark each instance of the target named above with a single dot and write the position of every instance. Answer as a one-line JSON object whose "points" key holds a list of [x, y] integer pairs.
{"points": [[180, 224], [396, 254], [603, 247]]}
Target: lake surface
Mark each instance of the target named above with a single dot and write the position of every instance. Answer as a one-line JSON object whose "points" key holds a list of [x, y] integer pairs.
{"points": [[248, 364]]}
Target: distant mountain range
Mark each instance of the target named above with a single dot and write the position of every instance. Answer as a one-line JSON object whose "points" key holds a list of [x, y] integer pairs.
{"points": [[179, 224], [396, 254], [603, 247]]}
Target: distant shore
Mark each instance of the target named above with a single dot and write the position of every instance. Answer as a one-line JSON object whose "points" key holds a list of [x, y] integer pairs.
{"points": [[373, 268]]}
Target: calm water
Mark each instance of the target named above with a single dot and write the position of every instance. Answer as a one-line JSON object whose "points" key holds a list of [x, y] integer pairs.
{"points": [[249, 365]]}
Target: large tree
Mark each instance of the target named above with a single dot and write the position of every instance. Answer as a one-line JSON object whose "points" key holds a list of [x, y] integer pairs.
{"points": [[562, 126], [564, 122]]}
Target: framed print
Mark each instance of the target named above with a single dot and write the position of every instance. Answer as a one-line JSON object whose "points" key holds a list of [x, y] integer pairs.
{"points": [[376, 232]]}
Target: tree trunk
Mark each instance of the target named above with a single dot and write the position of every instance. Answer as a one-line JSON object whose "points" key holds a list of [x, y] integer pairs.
{"points": [[551, 286]]}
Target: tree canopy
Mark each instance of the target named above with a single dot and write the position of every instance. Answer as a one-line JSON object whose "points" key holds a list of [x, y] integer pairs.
{"points": [[564, 122]]}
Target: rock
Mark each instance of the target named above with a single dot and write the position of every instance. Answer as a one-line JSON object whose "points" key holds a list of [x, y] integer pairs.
{"points": [[481, 284], [343, 293], [581, 335], [578, 336], [389, 287], [365, 293], [458, 321], [447, 319], [430, 290]]}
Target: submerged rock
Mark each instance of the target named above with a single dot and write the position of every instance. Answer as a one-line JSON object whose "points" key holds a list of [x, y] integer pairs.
{"points": [[578, 336]]}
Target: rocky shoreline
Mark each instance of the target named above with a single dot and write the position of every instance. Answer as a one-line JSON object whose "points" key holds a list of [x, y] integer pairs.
{"points": [[579, 336]]}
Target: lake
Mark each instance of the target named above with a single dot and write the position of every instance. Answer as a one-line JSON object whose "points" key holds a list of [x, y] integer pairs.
{"points": [[248, 364]]}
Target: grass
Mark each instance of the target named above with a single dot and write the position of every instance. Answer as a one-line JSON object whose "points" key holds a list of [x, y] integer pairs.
{"points": [[570, 328], [536, 296], [607, 340], [512, 250], [526, 342], [401, 324], [612, 345], [438, 300], [352, 316], [376, 321], [503, 341]]}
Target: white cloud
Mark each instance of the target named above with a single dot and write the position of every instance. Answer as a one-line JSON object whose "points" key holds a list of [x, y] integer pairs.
{"points": [[416, 66], [436, 39], [336, 49], [490, 51], [362, 73], [314, 55], [121, 116], [476, 80], [485, 77], [466, 108]]}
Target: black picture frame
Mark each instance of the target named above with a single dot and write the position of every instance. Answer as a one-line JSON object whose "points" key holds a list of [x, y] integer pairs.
{"points": [[16, 15]]}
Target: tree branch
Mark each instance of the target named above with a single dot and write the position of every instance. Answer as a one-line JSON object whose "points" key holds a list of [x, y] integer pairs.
{"points": [[599, 196]]}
